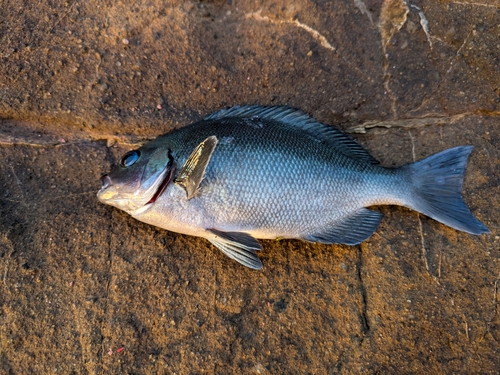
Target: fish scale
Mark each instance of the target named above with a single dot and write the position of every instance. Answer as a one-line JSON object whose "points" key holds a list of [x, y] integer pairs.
{"points": [[266, 172], [258, 190]]}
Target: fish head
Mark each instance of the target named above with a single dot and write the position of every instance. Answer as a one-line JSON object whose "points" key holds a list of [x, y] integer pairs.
{"points": [[138, 179]]}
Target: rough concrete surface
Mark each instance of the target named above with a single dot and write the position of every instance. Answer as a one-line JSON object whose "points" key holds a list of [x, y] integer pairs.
{"points": [[86, 289]]}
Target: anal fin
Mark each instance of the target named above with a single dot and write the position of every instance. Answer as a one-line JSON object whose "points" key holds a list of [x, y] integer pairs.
{"points": [[238, 246], [351, 231]]}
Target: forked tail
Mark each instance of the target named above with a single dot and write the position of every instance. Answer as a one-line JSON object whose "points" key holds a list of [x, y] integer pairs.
{"points": [[438, 184]]}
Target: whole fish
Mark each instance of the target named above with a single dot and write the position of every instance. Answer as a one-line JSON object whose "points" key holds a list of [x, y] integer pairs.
{"points": [[274, 172]]}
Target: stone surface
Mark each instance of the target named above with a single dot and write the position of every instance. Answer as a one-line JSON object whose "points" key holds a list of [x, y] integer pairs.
{"points": [[86, 289]]}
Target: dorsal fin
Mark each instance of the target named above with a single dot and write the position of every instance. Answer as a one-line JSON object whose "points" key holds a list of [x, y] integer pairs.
{"points": [[295, 117]]}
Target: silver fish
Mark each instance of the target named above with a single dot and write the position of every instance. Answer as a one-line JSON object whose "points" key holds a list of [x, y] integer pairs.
{"points": [[274, 172]]}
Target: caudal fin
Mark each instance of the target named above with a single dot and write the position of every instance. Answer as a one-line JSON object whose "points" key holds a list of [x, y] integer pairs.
{"points": [[438, 184]]}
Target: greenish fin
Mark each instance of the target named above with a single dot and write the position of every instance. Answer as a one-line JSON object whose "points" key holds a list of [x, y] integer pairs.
{"points": [[296, 118], [352, 231], [191, 173], [238, 246]]}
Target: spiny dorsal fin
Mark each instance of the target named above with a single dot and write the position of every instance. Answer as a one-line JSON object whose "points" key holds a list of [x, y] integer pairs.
{"points": [[294, 117], [191, 173]]}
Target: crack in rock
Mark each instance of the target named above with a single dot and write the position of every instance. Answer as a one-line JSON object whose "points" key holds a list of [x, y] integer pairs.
{"points": [[424, 23], [362, 7], [457, 55], [111, 140], [315, 34], [50, 140], [393, 16], [476, 4], [363, 314], [410, 123]]}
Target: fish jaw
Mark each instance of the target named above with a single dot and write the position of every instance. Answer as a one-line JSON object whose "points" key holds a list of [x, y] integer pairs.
{"points": [[137, 200]]}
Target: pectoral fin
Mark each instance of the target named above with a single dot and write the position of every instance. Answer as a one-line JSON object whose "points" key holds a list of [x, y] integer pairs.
{"points": [[238, 246], [191, 173]]}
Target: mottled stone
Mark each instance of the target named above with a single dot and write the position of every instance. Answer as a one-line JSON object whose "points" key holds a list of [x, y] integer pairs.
{"points": [[87, 289]]}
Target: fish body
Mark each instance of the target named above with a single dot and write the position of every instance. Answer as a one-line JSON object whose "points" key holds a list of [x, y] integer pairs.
{"points": [[273, 172]]}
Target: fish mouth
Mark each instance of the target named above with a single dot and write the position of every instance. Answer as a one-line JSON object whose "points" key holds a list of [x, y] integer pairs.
{"points": [[168, 177]]}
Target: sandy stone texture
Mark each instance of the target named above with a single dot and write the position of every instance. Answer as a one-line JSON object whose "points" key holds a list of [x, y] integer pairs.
{"points": [[86, 289]]}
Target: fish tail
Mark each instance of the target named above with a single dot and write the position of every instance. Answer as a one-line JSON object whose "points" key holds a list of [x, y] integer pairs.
{"points": [[437, 182]]}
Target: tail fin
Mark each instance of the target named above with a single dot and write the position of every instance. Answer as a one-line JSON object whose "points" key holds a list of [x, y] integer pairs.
{"points": [[438, 183]]}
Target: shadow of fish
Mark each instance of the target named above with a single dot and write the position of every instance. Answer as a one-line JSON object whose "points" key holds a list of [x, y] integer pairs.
{"points": [[273, 172]]}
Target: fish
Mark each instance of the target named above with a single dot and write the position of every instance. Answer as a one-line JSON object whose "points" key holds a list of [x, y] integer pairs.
{"points": [[273, 172]]}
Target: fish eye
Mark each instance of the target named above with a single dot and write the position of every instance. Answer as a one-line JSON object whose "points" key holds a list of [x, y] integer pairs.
{"points": [[130, 158]]}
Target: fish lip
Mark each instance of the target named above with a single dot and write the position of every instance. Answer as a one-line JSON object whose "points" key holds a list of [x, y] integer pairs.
{"points": [[105, 190], [168, 177]]}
